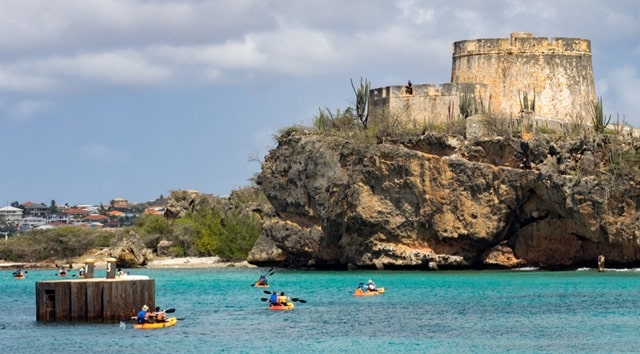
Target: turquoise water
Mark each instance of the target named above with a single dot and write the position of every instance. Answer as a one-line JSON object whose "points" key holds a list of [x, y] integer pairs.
{"points": [[420, 312]]}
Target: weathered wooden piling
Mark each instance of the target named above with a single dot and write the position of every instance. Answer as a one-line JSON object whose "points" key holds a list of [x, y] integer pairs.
{"points": [[93, 299]]}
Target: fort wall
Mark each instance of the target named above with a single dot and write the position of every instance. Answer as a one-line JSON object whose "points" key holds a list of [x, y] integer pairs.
{"points": [[499, 72], [424, 104]]}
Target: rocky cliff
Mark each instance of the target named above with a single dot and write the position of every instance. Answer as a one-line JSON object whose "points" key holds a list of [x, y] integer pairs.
{"points": [[442, 202]]}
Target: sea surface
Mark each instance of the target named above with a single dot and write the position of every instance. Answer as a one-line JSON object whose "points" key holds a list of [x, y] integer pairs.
{"points": [[421, 312]]}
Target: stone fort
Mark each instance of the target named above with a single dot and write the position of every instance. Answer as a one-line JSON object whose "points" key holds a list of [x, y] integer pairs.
{"points": [[549, 79]]}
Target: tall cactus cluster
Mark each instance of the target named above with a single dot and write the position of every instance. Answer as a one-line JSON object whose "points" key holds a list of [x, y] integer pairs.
{"points": [[525, 104], [362, 100], [598, 118]]}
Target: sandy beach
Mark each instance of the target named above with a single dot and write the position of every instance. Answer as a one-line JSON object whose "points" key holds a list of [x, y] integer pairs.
{"points": [[195, 262]]}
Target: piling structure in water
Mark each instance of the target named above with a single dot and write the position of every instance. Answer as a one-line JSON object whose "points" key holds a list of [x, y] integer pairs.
{"points": [[91, 299]]}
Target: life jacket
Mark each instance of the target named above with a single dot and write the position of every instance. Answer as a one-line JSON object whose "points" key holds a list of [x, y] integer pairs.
{"points": [[273, 299], [282, 299], [141, 316]]}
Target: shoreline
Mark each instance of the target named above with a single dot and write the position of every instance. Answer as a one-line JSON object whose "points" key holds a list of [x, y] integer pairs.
{"points": [[195, 262], [155, 263]]}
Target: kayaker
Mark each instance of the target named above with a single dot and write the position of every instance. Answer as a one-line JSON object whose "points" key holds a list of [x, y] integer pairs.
{"points": [[262, 281], [273, 299], [371, 286], [158, 316], [362, 287], [283, 299], [143, 314]]}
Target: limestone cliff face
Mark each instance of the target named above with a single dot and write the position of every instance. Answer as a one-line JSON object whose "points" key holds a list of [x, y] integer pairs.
{"points": [[439, 202]]}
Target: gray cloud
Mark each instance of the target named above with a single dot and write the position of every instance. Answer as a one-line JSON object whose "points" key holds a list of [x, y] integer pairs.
{"points": [[79, 43]]}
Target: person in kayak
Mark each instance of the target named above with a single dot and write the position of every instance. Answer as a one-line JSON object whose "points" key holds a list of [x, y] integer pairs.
{"points": [[273, 299], [362, 287], [262, 281], [371, 286], [158, 316], [283, 299], [143, 314]]}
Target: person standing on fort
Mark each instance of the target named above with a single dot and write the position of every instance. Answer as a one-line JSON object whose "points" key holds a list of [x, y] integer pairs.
{"points": [[408, 89]]}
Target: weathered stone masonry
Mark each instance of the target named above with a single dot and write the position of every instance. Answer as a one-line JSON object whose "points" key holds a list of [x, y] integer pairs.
{"points": [[498, 72]]}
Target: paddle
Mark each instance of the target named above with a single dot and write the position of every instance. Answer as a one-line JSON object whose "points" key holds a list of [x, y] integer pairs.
{"points": [[295, 299]]}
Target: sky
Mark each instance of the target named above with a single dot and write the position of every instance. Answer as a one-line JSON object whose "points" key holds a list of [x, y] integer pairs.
{"points": [[133, 99]]}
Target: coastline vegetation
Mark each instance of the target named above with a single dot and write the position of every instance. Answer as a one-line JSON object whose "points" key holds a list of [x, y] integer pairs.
{"points": [[226, 227]]}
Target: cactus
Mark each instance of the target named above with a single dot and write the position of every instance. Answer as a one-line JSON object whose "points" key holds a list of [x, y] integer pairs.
{"points": [[468, 104], [362, 100], [598, 119], [525, 105]]}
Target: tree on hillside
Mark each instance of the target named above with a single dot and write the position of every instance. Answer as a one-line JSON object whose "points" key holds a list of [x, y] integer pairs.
{"points": [[53, 207]]}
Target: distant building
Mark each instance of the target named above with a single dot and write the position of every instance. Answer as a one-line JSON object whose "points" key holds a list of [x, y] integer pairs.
{"points": [[119, 203], [75, 213], [10, 215], [155, 211], [31, 222], [95, 218], [35, 209]]}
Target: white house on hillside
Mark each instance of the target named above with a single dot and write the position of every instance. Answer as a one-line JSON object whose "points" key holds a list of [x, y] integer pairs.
{"points": [[10, 215]]}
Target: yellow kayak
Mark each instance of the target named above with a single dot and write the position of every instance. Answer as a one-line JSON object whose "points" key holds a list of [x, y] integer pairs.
{"points": [[171, 321], [359, 292]]}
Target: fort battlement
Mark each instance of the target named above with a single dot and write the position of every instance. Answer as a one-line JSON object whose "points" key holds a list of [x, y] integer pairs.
{"points": [[522, 43], [424, 90], [502, 73]]}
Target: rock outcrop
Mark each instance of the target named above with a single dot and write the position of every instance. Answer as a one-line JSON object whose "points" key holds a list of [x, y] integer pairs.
{"points": [[130, 252], [442, 202]]}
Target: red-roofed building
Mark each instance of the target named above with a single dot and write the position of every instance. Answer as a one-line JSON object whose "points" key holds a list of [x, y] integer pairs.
{"points": [[76, 213], [95, 218]]}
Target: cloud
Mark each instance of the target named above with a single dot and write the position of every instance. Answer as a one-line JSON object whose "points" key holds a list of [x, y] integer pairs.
{"points": [[16, 79], [127, 67], [23, 110]]}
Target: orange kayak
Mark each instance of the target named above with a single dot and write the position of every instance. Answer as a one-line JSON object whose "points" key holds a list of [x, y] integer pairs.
{"points": [[359, 292], [288, 306]]}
